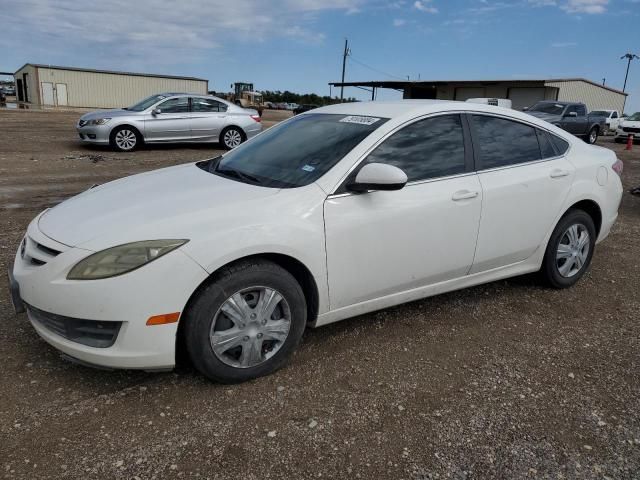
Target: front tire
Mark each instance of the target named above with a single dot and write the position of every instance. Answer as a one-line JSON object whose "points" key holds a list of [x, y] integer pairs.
{"points": [[570, 250], [125, 139], [231, 137], [246, 322]]}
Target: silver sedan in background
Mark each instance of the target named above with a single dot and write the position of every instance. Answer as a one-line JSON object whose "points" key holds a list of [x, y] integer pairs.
{"points": [[171, 117]]}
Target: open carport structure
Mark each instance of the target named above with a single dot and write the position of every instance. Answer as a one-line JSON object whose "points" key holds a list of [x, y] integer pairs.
{"points": [[522, 93]]}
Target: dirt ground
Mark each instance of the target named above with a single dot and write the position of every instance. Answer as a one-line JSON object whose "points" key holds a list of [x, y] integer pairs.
{"points": [[507, 380]]}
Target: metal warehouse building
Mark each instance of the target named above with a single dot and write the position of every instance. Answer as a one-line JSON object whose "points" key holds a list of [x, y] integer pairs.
{"points": [[82, 87], [523, 93]]}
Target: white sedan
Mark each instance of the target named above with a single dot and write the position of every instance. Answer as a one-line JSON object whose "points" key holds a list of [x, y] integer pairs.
{"points": [[337, 212]]}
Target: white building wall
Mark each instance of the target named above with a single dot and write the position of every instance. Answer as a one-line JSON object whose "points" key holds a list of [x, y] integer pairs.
{"points": [[112, 90], [593, 96]]}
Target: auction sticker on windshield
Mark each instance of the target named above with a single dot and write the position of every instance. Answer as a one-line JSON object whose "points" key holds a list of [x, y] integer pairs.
{"points": [[360, 120]]}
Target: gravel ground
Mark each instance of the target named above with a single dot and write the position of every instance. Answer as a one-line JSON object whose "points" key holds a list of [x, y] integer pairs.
{"points": [[506, 380]]}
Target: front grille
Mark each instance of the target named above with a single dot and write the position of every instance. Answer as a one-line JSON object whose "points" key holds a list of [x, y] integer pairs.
{"points": [[631, 129], [98, 334], [36, 253]]}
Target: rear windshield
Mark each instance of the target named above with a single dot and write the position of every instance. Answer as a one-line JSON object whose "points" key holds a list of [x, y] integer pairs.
{"points": [[294, 153], [551, 108]]}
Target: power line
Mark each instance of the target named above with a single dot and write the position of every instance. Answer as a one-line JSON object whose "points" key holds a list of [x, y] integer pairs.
{"points": [[375, 69]]}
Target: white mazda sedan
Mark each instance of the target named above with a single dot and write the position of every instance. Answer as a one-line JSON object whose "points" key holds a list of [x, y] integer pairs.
{"points": [[336, 212]]}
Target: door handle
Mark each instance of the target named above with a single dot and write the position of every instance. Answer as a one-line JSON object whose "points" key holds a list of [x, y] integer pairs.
{"points": [[559, 173], [464, 195]]}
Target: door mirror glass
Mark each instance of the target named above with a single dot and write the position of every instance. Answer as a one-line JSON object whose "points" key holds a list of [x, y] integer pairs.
{"points": [[156, 111], [571, 114], [378, 176]]}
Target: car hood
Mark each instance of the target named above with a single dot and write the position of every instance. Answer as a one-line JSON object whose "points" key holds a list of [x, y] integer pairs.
{"points": [[631, 124], [108, 113], [166, 203], [548, 117]]}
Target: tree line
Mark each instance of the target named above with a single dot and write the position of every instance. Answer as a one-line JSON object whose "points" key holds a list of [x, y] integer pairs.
{"points": [[301, 99]]}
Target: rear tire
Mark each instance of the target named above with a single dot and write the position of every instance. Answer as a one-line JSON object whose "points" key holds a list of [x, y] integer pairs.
{"points": [[232, 345], [592, 137], [125, 139], [231, 137], [570, 250]]}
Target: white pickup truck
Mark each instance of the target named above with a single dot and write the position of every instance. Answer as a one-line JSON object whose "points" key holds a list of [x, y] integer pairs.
{"points": [[611, 118]]}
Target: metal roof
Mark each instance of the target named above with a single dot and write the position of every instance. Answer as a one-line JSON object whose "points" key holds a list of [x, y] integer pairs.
{"points": [[112, 72], [401, 84]]}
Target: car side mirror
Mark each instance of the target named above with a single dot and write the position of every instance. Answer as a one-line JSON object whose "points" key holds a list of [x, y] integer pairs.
{"points": [[156, 111], [378, 176], [571, 114]]}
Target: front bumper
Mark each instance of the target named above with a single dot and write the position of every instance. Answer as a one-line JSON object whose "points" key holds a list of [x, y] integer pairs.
{"points": [[162, 286], [96, 134]]}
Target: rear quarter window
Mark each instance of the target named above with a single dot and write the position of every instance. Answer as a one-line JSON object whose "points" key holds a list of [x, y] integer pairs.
{"points": [[560, 144]]}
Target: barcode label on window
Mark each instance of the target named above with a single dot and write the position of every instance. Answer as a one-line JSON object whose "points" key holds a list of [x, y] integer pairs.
{"points": [[360, 120]]}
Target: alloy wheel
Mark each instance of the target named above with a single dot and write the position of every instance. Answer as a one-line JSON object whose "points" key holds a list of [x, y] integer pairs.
{"points": [[232, 138], [593, 136], [126, 139], [250, 327], [573, 250]]}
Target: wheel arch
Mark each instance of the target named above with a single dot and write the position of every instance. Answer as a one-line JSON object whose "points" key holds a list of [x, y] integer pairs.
{"points": [[128, 125], [295, 267], [236, 126], [592, 208]]}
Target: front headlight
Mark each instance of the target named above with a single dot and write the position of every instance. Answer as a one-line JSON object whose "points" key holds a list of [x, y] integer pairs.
{"points": [[122, 259], [98, 121]]}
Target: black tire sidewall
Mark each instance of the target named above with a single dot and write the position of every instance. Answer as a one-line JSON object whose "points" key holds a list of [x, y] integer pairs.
{"points": [[549, 267], [227, 147], [589, 136], [112, 138], [201, 313]]}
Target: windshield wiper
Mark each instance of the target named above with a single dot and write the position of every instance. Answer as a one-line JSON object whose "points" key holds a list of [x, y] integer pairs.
{"points": [[230, 172]]}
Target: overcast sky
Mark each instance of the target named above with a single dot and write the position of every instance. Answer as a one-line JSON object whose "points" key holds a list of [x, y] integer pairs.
{"points": [[297, 44]]}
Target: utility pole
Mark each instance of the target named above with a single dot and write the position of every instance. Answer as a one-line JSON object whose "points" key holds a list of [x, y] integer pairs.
{"points": [[629, 57], [344, 66]]}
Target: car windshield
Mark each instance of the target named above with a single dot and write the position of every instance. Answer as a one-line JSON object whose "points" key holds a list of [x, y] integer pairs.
{"points": [[552, 108], [634, 118], [146, 103], [295, 153], [599, 113]]}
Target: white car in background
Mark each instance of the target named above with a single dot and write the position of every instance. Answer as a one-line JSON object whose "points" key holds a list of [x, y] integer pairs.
{"points": [[628, 126], [333, 213]]}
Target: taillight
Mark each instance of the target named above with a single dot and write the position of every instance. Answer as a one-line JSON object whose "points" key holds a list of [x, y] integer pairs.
{"points": [[617, 167], [256, 118]]}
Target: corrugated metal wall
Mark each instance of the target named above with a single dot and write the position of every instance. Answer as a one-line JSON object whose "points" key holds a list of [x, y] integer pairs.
{"points": [[111, 90], [501, 90], [593, 96]]}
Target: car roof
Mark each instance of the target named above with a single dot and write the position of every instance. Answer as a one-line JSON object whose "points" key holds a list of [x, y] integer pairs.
{"points": [[402, 108], [399, 111]]}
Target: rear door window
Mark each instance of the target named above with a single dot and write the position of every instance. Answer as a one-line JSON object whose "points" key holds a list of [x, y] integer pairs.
{"points": [[500, 142], [207, 105]]}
